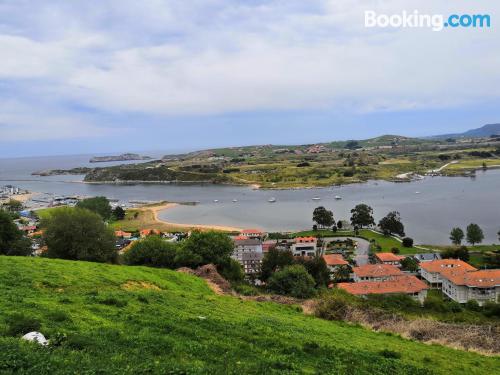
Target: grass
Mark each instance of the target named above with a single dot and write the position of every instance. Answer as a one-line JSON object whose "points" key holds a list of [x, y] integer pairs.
{"points": [[129, 320], [45, 213]]}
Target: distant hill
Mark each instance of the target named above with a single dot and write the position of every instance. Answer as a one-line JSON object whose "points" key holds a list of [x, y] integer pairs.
{"points": [[484, 131]]}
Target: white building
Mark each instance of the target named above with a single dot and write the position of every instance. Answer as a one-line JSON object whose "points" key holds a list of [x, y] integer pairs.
{"points": [[431, 271], [248, 252], [305, 246], [375, 272], [462, 286]]}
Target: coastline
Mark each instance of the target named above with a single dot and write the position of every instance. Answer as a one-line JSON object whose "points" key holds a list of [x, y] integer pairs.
{"points": [[155, 210]]}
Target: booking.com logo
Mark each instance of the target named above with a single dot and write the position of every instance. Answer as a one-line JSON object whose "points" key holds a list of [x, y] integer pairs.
{"points": [[436, 22]]}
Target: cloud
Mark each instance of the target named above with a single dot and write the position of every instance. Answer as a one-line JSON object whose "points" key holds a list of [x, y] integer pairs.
{"points": [[210, 57]]}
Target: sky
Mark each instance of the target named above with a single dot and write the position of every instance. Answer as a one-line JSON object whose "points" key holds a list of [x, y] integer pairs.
{"points": [[175, 75]]}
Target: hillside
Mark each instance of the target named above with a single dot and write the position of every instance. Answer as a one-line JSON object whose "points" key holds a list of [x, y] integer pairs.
{"points": [[129, 320], [484, 131]]}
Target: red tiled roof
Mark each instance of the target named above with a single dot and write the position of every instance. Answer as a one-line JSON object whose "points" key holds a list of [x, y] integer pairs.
{"points": [[334, 260], [442, 264], [389, 257], [147, 232], [400, 284], [478, 279], [120, 233], [305, 239], [240, 238], [377, 270], [251, 231]]}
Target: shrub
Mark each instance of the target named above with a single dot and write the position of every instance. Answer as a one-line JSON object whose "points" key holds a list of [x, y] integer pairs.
{"points": [[491, 309], [435, 304], [395, 250], [231, 270], [151, 251], [245, 289], [334, 305], [292, 280], [407, 242], [19, 324], [472, 305], [386, 353]]}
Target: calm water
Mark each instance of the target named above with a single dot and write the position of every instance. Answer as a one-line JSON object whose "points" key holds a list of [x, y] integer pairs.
{"points": [[443, 202]]}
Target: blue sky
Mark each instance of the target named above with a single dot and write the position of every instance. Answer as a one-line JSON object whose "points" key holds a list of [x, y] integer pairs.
{"points": [[176, 75]]}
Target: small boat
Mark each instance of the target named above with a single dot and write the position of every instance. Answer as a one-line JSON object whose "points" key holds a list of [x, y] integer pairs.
{"points": [[235, 200], [271, 200], [216, 201], [316, 198], [338, 197], [417, 192]]}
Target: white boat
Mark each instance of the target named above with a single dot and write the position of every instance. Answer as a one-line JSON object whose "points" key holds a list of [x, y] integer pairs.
{"points": [[216, 201], [338, 197], [271, 200], [235, 200], [417, 192], [316, 198]]}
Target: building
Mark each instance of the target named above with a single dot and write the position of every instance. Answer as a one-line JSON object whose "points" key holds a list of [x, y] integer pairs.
{"points": [[335, 261], [248, 252], [375, 272], [305, 246], [431, 271], [252, 233], [389, 258], [462, 286], [426, 257], [404, 284], [148, 232], [122, 234]]}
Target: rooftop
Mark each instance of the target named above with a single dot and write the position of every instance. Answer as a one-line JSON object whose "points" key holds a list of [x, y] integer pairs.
{"points": [[377, 270], [335, 260], [389, 257], [477, 279], [305, 239], [251, 231], [400, 284], [442, 264]]}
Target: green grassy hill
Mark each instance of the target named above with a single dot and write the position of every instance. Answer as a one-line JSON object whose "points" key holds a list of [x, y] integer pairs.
{"points": [[131, 320]]}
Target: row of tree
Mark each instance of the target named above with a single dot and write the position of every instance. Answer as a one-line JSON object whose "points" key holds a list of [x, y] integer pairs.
{"points": [[361, 216], [474, 235]]}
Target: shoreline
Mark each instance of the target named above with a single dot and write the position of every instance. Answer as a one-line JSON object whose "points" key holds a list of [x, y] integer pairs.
{"points": [[155, 210]]}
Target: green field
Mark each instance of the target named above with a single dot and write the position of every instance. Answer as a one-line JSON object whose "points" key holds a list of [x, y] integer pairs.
{"points": [[130, 320]]}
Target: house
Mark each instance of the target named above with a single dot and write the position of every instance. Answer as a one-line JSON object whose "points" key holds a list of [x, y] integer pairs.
{"points": [[375, 272], [248, 252], [462, 286], [426, 257], [148, 232], [389, 258], [405, 284], [252, 233], [266, 245], [122, 234], [305, 246], [431, 271], [334, 261]]}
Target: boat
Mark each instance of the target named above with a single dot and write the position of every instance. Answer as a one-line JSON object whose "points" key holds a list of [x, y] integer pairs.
{"points": [[235, 200], [417, 192], [271, 200], [337, 197], [216, 201], [316, 198]]}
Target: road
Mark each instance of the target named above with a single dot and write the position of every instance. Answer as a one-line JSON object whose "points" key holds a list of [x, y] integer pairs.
{"points": [[362, 249]]}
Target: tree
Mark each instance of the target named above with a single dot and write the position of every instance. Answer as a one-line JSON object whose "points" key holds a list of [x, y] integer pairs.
{"points": [[13, 205], [232, 270], [292, 280], [323, 217], [317, 268], [461, 253], [99, 205], [474, 234], [275, 260], [407, 242], [119, 213], [362, 216], [210, 247], [340, 224], [151, 251], [391, 224], [79, 234], [12, 241], [457, 236], [409, 264]]}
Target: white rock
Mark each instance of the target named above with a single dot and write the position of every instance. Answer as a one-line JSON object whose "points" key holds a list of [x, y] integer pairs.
{"points": [[36, 337]]}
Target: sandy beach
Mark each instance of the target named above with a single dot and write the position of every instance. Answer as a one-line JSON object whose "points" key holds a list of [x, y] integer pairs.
{"points": [[165, 206]]}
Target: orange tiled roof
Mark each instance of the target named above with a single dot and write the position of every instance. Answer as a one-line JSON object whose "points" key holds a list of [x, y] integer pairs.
{"points": [[147, 232], [335, 260], [251, 231], [240, 238], [389, 257], [305, 239], [442, 264], [478, 279], [120, 233], [377, 270], [400, 284]]}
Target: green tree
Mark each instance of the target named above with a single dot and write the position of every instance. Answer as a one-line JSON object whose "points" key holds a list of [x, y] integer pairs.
{"points": [[79, 234], [12, 241], [474, 234], [13, 205], [210, 247], [409, 264], [231, 270], [151, 251], [461, 253], [99, 205], [317, 268], [391, 224], [323, 217], [407, 242], [119, 213], [275, 260], [292, 280], [362, 216], [457, 236]]}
